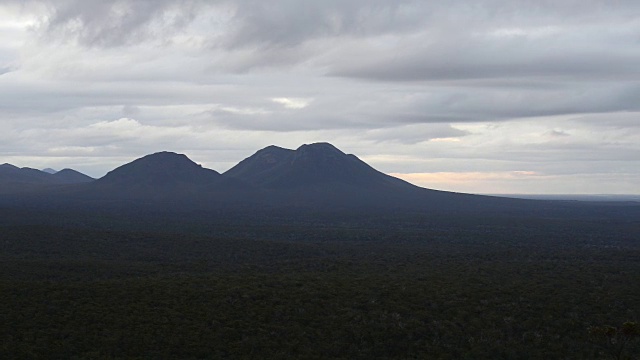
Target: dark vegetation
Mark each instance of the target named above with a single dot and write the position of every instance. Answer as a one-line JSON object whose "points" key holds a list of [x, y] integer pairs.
{"points": [[316, 286]]}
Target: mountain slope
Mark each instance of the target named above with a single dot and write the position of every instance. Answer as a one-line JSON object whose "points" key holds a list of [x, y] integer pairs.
{"points": [[260, 166]]}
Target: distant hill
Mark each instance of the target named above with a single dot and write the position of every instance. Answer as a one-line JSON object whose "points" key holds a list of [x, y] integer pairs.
{"points": [[169, 177], [11, 173], [70, 176], [15, 179], [50, 171]]}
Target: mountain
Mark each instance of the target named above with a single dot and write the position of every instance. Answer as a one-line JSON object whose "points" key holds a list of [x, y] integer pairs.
{"points": [[14, 174], [20, 180], [49, 171], [311, 165], [320, 175], [170, 178], [70, 176], [161, 169]]}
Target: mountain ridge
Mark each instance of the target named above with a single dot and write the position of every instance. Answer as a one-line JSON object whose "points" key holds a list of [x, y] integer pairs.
{"points": [[313, 177], [12, 173]]}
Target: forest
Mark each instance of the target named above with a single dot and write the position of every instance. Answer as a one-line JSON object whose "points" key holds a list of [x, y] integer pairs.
{"points": [[101, 286]]}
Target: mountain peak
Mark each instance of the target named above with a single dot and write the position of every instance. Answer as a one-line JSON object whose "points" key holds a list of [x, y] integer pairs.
{"points": [[161, 168], [318, 152], [70, 176], [319, 146], [165, 156], [274, 148], [272, 153], [165, 160], [8, 166]]}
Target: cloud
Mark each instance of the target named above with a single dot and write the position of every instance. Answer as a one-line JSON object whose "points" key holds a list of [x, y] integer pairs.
{"points": [[413, 134], [116, 22], [248, 23], [557, 134], [291, 23], [123, 133], [292, 103], [581, 53], [6, 69]]}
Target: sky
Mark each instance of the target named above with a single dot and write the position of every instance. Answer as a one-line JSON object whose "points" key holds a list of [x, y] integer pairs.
{"points": [[478, 96]]}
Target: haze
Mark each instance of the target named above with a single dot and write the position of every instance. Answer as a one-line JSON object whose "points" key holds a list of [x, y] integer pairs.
{"points": [[471, 96]]}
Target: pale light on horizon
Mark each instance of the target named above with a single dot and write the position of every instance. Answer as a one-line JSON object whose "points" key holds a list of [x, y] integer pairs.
{"points": [[509, 182]]}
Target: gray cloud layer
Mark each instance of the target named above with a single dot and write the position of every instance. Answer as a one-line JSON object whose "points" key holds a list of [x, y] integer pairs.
{"points": [[548, 89]]}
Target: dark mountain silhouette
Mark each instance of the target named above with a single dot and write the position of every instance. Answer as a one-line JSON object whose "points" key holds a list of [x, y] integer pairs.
{"points": [[10, 173], [315, 178], [319, 164], [15, 179], [167, 177], [70, 176], [320, 175], [161, 169]]}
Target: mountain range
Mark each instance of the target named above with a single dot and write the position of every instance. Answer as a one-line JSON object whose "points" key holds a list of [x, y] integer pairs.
{"points": [[15, 179], [314, 176]]}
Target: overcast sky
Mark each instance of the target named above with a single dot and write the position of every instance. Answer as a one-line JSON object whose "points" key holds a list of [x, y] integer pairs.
{"points": [[472, 96]]}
